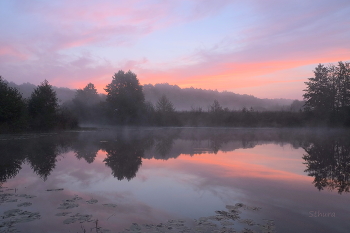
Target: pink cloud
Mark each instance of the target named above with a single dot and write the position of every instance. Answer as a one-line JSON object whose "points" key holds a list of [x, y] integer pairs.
{"points": [[80, 23], [269, 47], [8, 52], [220, 75], [275, 36]]}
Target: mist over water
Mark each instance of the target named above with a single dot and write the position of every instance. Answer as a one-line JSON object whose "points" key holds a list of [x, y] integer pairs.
{"points": [[184, 99], [184, 119], [122, 176]]}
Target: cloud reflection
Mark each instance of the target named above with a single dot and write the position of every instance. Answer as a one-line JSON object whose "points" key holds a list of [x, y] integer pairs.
{"points": [[186, 179]]}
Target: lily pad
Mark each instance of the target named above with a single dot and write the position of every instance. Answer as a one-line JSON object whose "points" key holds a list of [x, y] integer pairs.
{"points": [[24, 204], [17, 216], [53, 190], [83, 217], [69, 220], [78, 218], [7, 197], [248, 222], [26, 196], [110, 205], [224, 221], [92, 201], [67, 205], [63, 214], [77, 198], [12, 200]]}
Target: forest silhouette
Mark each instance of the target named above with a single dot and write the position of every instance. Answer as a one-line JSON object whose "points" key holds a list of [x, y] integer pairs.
{"points": [[327, 103]]}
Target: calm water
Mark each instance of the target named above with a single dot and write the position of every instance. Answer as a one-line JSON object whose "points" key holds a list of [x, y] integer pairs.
{"points": [[178, 179]]}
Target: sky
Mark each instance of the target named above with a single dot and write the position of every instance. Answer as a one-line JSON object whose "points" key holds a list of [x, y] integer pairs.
{"points": [[263, 48]]}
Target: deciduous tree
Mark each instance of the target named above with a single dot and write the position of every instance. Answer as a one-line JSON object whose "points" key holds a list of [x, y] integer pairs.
{"points": [[125, 99]]}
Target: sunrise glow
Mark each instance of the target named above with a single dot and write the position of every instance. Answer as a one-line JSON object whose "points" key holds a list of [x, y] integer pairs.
{"points": [[263, 48]]}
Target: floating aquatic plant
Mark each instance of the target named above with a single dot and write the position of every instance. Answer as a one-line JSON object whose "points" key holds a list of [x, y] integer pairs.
{"points": [[92, 201], [222, 222], [51, 190], [63, 214], [24, 204], [78, 218], [14, 216], [67, 205], [110, 205]]}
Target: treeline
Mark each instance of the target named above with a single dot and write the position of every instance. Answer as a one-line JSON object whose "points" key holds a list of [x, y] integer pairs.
{"points": [[39, 112], [125, 104], [327, 103], [183, 99]]}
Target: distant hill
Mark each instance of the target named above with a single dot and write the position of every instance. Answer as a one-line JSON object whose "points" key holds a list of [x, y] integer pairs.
{"points": [[184, 99], [188, 98]]}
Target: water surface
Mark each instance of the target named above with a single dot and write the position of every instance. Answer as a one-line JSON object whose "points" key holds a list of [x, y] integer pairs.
{"points": [[176, 179]]}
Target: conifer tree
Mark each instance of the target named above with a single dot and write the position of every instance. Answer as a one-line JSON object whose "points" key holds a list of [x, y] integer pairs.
{"points": [[43, 107], [12, 107]]}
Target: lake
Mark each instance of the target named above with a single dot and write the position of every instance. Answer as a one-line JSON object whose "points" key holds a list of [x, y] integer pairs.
{"points": [[176, 180]]}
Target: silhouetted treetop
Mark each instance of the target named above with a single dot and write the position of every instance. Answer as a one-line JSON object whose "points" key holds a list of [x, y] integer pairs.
{"points": [[11, 105], [216, 107], [328, 93], [88, 95], [43, 106], [125, 99], [165, 105]]}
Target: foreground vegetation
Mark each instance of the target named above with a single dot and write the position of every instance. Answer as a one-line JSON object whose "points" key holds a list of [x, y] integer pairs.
{"points": [[327, 103]]}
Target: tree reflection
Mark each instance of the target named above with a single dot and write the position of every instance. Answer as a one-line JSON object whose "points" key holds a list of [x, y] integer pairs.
{"points": [[88, 152], [124, 156], [216, 143], [217, 140], [42, 153], [12, 158], [328, 161], [86, 147], [164, 142], [42, 159]]}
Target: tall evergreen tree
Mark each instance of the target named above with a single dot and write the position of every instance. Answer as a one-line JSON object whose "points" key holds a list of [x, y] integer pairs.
{"points": [[165, 112], [164, 105], [12, 107], [43, 107], [344, 84], [328, 93], [319, 96]]}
